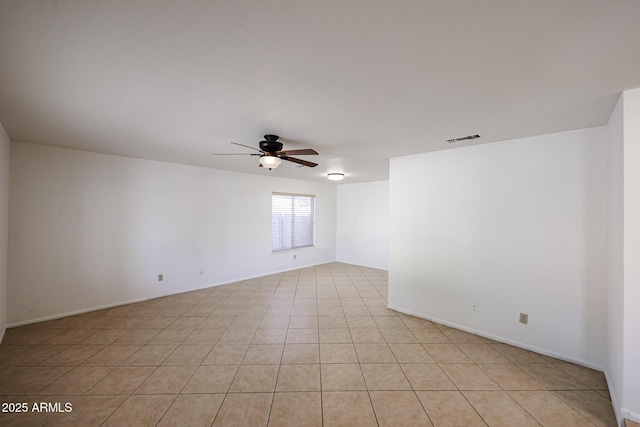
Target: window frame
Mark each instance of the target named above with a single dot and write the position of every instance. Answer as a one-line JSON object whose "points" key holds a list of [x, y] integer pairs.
{"points": [[311, 224]]}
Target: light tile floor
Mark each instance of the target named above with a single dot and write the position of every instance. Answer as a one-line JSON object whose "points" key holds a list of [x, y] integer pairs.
{"points": [[311, 347]]}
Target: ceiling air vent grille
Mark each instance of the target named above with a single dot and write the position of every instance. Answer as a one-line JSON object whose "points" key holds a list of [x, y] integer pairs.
{"points": [[462, 138]]}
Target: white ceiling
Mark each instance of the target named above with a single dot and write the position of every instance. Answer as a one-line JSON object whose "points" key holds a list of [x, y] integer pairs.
{"points": [[359, 81]]}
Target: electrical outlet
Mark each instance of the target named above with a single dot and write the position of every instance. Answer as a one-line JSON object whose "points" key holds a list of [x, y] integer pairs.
{"points": [[474, 306], [160, 277], [524, 318]]}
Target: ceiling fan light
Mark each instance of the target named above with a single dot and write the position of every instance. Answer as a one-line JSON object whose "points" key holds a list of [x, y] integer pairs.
{"points": [[270, 162], [335, 176]]}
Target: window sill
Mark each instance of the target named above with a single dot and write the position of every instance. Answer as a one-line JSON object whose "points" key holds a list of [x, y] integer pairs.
{"points": [[284, 251]]}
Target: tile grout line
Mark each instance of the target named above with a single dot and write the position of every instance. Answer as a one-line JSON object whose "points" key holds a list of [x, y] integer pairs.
{"points": [[275, 386]]}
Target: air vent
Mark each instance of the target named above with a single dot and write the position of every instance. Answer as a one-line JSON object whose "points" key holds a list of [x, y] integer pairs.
{"points": [[462, 138]]}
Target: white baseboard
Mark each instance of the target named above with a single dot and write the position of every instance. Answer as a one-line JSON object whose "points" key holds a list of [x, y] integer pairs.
{"points": [[132, 301], [632, 416], [617, 410], [87, 310], [363, 265], [525, 346]]}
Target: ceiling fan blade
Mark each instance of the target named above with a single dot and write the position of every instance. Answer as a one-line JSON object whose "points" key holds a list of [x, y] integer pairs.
{"points": [[304, 152], [299, 161], [234, 154], [242, 145]]}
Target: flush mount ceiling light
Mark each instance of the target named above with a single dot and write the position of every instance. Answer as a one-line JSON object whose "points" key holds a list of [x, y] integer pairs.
{"points": [[270, 162], [335, 176]]}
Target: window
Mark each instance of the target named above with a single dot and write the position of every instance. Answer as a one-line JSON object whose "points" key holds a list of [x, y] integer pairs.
{"points": [[292, 221]]}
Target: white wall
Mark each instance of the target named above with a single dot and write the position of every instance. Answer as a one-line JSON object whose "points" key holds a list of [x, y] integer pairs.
{"points": [[615, 239], [90, 230], [516, 226], [363, 224], [4, 221], [631, 257]]}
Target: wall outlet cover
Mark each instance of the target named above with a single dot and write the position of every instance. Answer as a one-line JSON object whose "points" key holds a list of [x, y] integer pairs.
{"points": [[524, 318]]}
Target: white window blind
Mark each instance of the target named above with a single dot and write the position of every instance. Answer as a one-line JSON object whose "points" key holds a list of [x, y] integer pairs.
{"points": [[292, 221]]}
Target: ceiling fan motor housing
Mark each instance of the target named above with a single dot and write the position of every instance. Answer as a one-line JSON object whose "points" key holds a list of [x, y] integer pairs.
{"points": [[270, 144]]}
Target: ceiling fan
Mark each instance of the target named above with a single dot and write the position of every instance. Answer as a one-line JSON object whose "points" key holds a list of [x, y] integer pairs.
{"points": [[271, 154]]}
